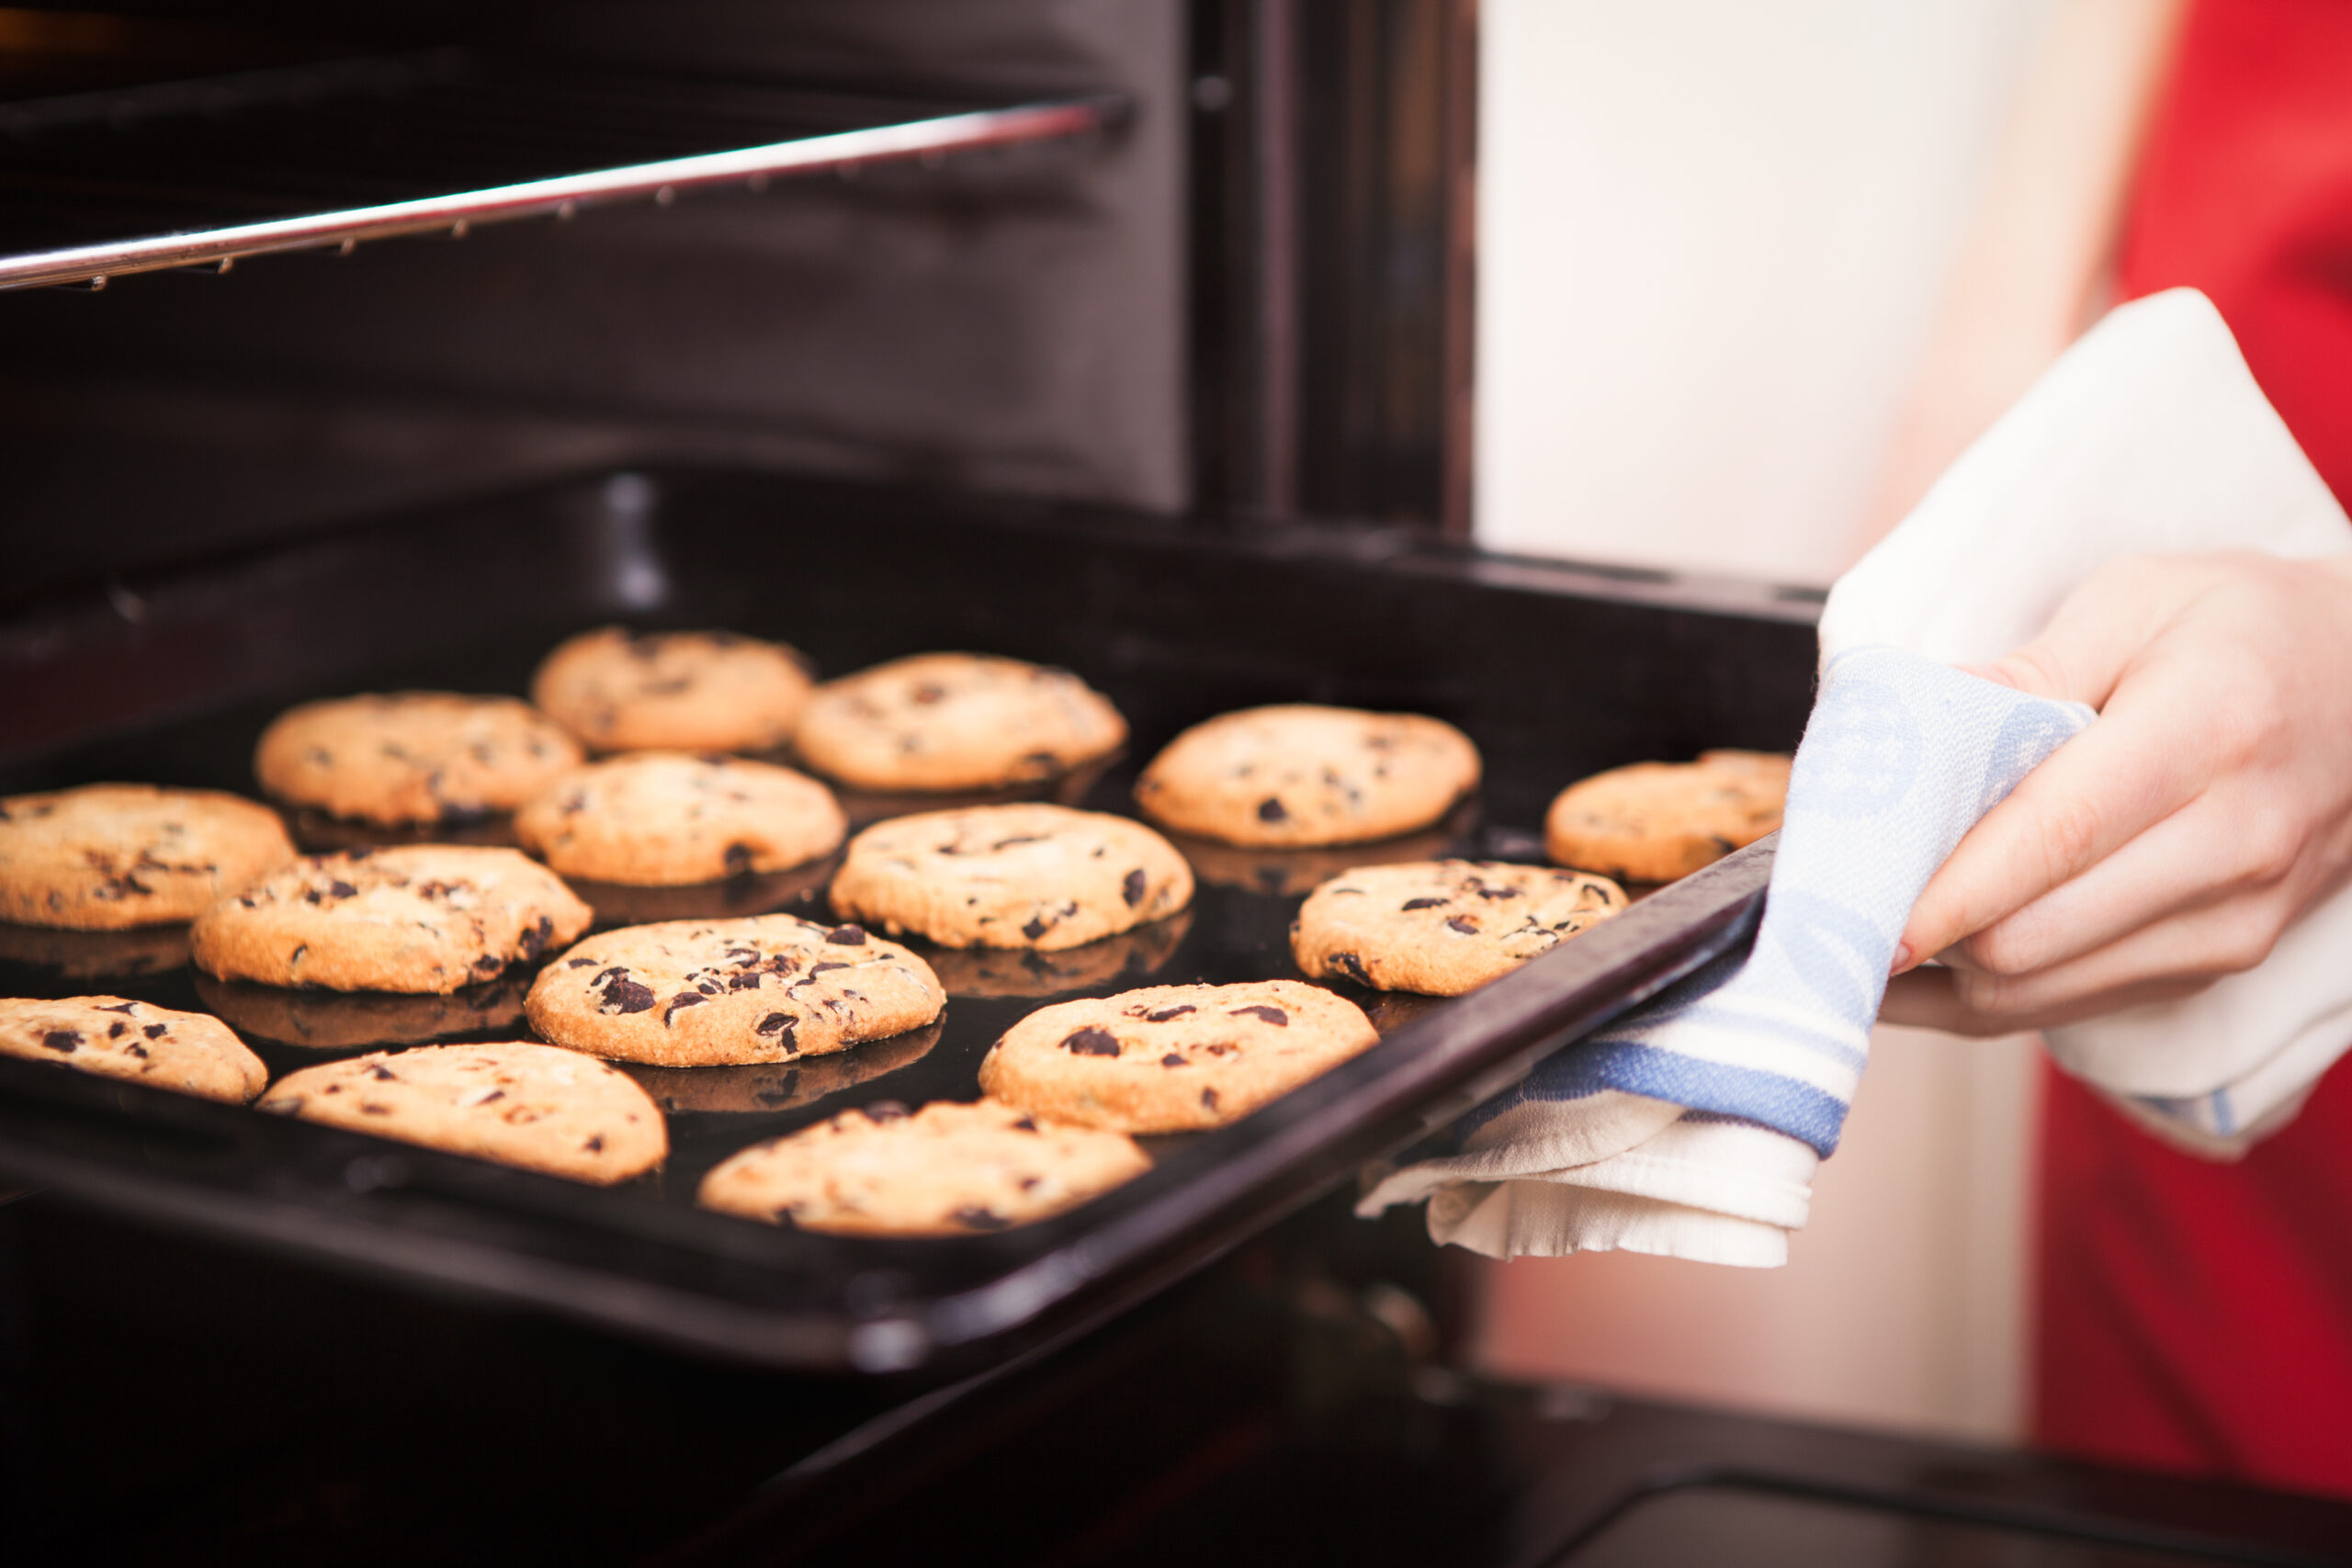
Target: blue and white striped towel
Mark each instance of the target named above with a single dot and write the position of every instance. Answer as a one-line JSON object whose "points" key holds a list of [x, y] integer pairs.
{"points": [[1722, 1094], [1694, 1128]]}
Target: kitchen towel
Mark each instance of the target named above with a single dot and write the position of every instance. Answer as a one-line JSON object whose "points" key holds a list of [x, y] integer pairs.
{"points": [[1693, 1127]]}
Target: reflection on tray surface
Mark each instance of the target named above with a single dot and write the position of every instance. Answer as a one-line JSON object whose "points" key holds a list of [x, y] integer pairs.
{"points": [[96, 955], [352, 1020]]}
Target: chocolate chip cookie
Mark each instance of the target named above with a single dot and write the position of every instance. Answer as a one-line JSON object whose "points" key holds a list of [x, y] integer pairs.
{"points": [[1042, 877], [1301, 774], [624, 691], [424, 918], [116, 1038], [1444, 927], [940, 721], [411, 756], [108, 856], [661, 818], [535, 1106], [1172, 1058], [716, 993], [947, 1169], [1656, 822]]}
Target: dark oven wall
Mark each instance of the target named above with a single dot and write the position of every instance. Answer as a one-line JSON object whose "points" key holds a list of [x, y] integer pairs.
{"points": [[1010, 320]]}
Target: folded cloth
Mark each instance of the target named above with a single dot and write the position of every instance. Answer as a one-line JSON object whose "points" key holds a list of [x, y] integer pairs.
{"points": [[1693, 1127]]}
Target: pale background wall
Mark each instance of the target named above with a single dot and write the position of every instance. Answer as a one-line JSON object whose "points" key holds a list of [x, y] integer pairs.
{"points": [[1711, 236]]}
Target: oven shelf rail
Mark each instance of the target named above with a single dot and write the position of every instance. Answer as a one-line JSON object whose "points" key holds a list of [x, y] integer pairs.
{"points": [[201, 174]]}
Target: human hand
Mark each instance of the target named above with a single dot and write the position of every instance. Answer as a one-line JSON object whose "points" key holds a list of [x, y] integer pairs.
{"points": [[2171, 842]]}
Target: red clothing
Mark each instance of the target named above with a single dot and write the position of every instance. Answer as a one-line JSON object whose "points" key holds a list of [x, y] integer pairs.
{"points": [[2198, 1316]]}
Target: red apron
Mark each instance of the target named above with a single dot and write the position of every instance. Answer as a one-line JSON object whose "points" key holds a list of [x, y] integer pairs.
{"points": [[2196, 1316]]}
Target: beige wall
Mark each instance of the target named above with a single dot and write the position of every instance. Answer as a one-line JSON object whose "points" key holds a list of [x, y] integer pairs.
{"points": [[1903, 1302], [1711, 233]]}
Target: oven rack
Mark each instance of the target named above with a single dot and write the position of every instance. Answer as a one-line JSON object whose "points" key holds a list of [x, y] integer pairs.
{"points": [[200, 174]]}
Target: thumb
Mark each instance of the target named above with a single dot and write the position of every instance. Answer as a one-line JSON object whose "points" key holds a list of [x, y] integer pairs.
{"points": [[2100, 628]]}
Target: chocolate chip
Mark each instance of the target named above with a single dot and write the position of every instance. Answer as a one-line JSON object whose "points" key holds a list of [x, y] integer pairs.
{"points": [[65, 1042], [579, 963], [739, 859], [115, 1031], [1347, 963], [978, 1219], [683, 999], [534, 941], [616, 992], [1270, 810], [778, 1024], [1131, 887], [846, 936], [1208, 1099], [1272, 1015], [886, 1110], [1164, 1014], [1463, 924], [489, 964], [1092, 1040], [155, 1031], [368, 1108], [342, 890], [137, 1050], [1037, 926], [819, 968], [1498, 893], [1172, 1060], [595, 1144], [381, 1073], [1423, 903], [124, 1007], [1026, 1125]]}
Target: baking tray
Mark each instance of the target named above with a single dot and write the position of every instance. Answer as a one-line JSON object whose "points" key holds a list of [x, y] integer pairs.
{"points": [[1555, 672]]}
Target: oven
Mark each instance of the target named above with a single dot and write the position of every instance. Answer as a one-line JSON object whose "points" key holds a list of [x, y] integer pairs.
{"points": [[388, 348]]}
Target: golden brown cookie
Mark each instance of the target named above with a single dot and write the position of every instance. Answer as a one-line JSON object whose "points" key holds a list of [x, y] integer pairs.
{"points": [[108, 856], [954, 721], [662, 818], [1301, 774], [411, 756], [947, 1169], [624, 691], [535, 1106], [716, 993], [114, 1038], [424, 918], [1171, 1058], [1444, 927], [1656, 822], [1042, 877]]}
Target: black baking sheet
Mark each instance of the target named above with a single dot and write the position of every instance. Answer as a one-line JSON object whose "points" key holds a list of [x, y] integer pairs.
{"points": [[1555, 673]]}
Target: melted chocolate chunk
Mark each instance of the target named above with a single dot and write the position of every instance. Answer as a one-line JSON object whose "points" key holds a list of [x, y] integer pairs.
{"points": [[1174, 1060], [1092, 1041], [341, 889], [683, 999], [1026, 1125], [1208, 1099], [489, 964], [1131, 887], [1463, 924], [534, 941], [1347, 963], [381, 1073], [1163, 1014], [1271, 1013], [1270, 810], [1498, 893], [979, 1219], [1037, 926], [595, 1144], [1424, 902], [846, 936], [116, 1030], [155, 1031], [820, 968], [616, 992], [64, 1041], [778, 1024]]}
